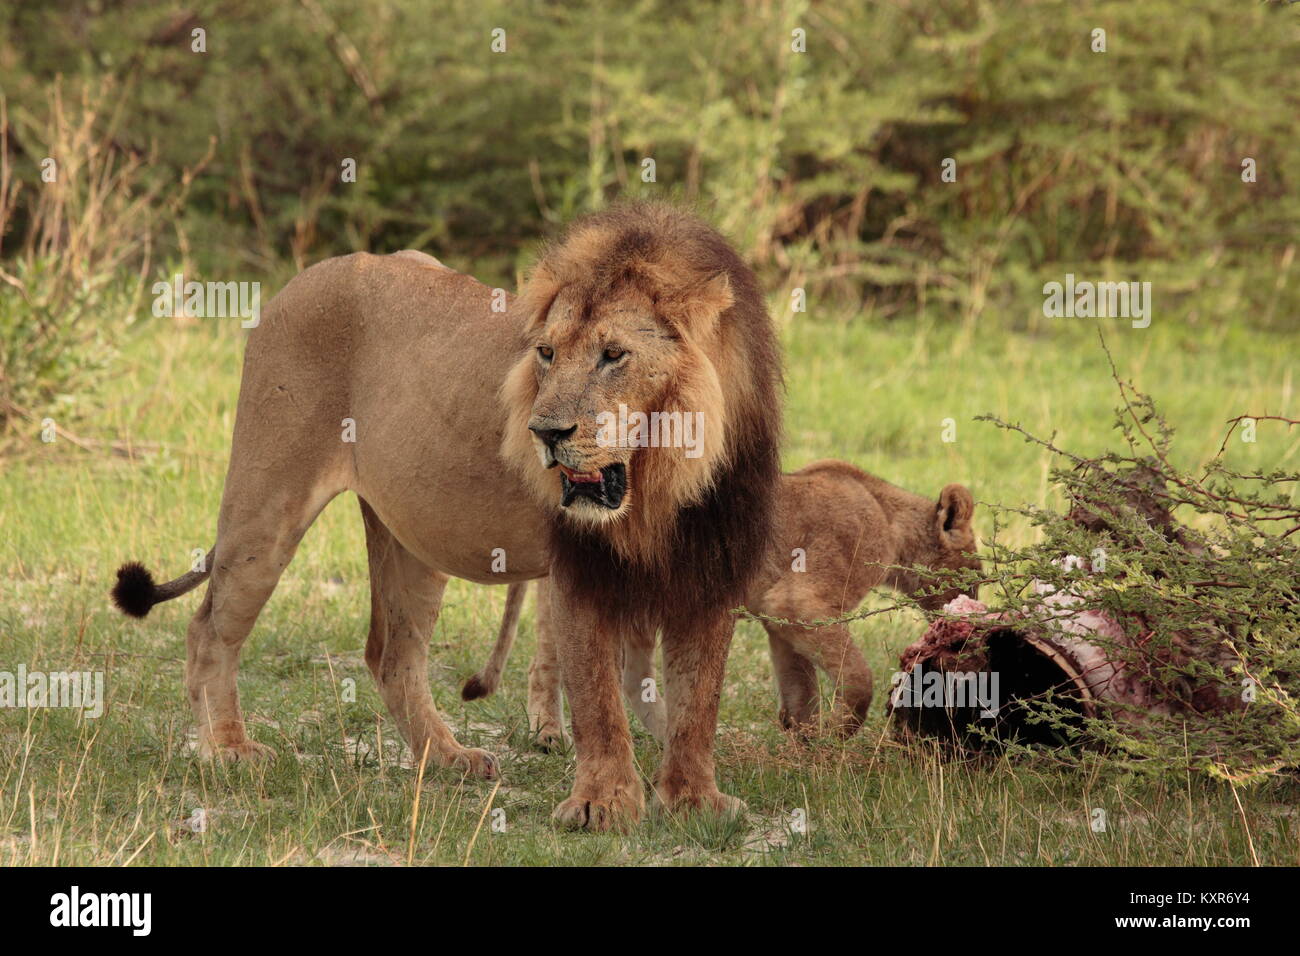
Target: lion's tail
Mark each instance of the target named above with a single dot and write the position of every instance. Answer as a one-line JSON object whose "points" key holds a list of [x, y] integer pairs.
{"points": [[135, 592], [485, 681]]}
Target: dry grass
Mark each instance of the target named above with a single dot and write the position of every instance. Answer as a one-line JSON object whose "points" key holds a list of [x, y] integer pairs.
{"points": [[117, 789]]}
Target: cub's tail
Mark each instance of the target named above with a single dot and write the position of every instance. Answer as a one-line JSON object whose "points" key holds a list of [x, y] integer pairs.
{"points": [[135, 592]]}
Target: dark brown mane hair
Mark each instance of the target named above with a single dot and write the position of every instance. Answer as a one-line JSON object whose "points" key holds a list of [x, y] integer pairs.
{"points": [[715, 545]]}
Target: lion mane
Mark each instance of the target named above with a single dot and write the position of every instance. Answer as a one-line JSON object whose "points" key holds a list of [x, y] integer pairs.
{"points": [[698, 529]]}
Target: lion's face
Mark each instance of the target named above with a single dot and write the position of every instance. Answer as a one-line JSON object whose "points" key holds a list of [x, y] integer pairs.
{"points": [[614, 400], [647, 370], [643, 413], [584, 372]]}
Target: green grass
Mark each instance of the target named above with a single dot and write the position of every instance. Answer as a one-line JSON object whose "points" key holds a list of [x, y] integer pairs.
{"points": [[117, 789]]}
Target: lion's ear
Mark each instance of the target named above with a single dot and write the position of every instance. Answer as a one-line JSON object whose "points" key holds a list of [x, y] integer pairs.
{"points": [[703, 303], [536, 297], [953, 515]]}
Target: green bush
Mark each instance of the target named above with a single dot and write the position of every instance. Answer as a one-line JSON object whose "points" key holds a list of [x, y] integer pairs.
{"points": [[825, 165], [55, 344], [78, 242], [1200, 568]]}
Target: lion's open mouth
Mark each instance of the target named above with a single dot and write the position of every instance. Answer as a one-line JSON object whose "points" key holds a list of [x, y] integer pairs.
{"points": [[605, 487]]}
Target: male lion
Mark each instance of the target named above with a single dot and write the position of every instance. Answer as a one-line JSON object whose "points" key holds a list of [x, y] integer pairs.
{"points": [[840, 532], [475, 435]]}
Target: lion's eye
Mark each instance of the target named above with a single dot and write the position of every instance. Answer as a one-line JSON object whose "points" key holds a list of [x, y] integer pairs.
{"points": [[614, 353], [546, 352]]}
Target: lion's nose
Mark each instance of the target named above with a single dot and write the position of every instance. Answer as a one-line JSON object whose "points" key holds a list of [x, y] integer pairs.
{"points": [[545, 430]]}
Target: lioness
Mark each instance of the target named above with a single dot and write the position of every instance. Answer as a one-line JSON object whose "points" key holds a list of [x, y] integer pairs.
{"points": [[840, 533], [470, 434]]}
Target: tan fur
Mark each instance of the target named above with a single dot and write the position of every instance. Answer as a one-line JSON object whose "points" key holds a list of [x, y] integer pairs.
{"points": [[412, 356], [655, 288], [679, 377], [857, 532], [421, 257], [545, 692], [412, 353]]}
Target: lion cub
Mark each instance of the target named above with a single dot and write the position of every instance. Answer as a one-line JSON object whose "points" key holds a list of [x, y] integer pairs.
{"points": [[839, 533]]}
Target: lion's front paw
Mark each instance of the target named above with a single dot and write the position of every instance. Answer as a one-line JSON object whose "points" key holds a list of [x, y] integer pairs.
{"points": [[619, 810], [701, 799], [473, 762], [246, 751]]}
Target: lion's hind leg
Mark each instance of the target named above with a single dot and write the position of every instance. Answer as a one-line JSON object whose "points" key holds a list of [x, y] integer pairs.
{"points": [[545, 689], [639, 685], [405, 597], [257, 536]]}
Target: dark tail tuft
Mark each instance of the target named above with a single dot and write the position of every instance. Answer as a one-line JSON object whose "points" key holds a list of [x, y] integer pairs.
{"points": [[135, 592], [473, 689]]}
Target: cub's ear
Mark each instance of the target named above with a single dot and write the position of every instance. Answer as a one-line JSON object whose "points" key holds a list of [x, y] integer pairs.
{"points": [[953, 514]]}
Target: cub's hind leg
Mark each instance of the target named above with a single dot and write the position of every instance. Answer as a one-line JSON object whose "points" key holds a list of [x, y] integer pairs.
{"points": [[796, 683], [832, 649]]}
